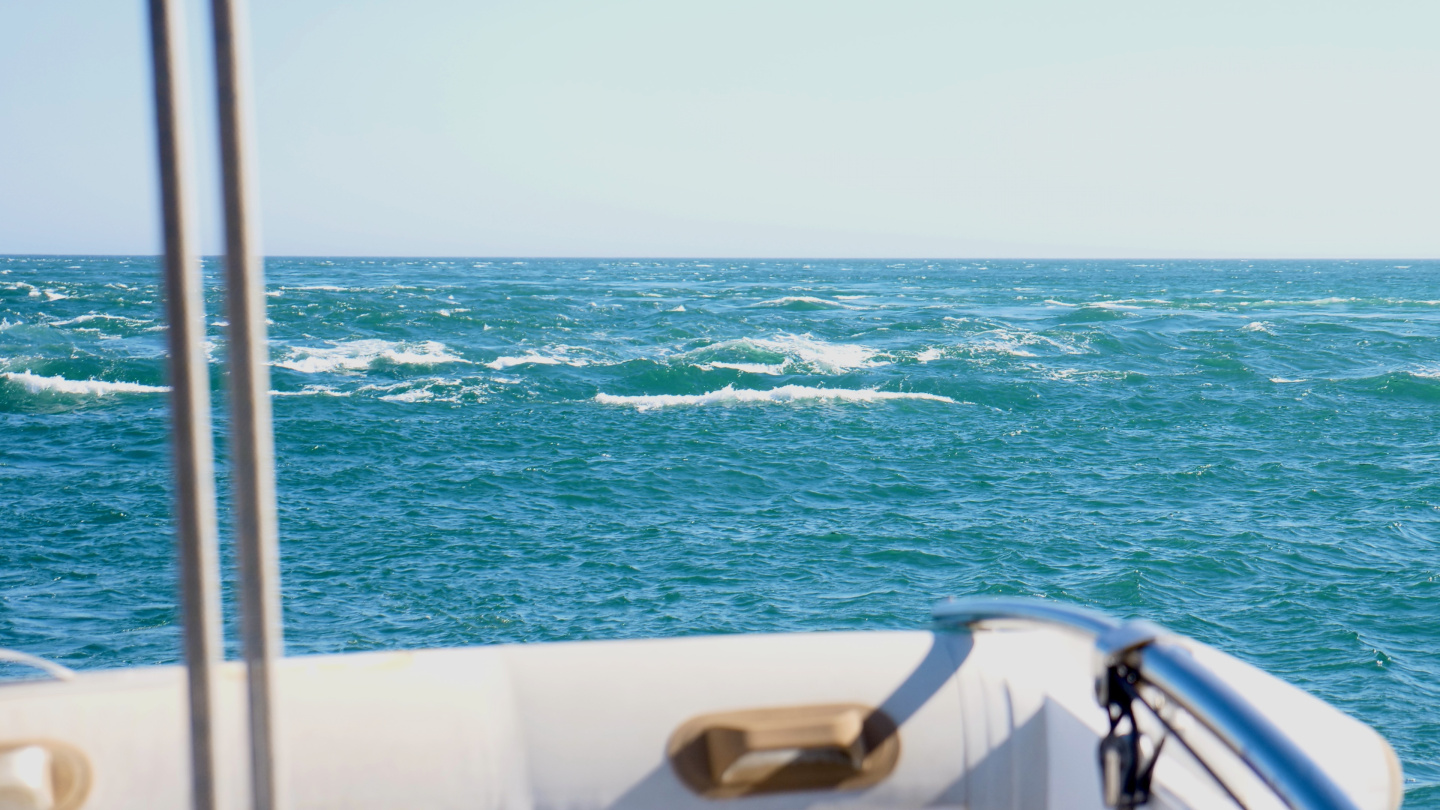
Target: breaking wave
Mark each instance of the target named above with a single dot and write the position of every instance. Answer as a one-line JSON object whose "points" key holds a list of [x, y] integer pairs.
{"points": [[803, 302], [781, 354], [100, 316], [729, 395], [358, 355], [312, 391], [37, 384], [554, 357], [1016, 343]]}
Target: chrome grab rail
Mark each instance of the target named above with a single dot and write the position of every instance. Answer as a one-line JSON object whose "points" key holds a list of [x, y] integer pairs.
{"points": [[57, 671], [1148, 652]]}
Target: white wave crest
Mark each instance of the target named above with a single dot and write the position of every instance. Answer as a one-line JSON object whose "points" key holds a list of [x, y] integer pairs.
{"points": [[784, 351], [1279, 380], [1257, 326], [729, 395], [552, 357], [312, 391], [1012, 342], [36, 384], [101, 316], [429, 389], [413, 395], [803, 300], [1080, 374], [358, 355], [1311, 302], [929, 354], [748, 368]]}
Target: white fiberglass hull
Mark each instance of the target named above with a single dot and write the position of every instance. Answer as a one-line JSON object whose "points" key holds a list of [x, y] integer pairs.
{"points": [[997, 718]]}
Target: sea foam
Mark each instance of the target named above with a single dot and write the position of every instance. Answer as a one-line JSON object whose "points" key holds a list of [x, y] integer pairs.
{"points": [[803, 302], [1012, 342], [729, 395], [312, 391], [358, 355], [36, 384], [555, 357], [748, 368], [782, 353], [100, 316]]}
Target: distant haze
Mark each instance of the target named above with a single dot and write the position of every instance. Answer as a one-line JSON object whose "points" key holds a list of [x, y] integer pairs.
{"points": [[776, 128]]}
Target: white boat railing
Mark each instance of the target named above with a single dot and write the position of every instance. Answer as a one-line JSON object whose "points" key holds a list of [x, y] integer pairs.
{"points": [[1136, 652]]}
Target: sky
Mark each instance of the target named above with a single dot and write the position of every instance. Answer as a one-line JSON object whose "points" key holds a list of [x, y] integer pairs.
{"points": [[782, 128]]}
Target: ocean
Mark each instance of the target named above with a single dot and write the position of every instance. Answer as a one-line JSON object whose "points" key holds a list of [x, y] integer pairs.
{"points": [[485, 451]]}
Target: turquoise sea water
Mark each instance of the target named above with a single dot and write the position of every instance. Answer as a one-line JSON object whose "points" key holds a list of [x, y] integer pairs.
{"points": [[473, 452]]}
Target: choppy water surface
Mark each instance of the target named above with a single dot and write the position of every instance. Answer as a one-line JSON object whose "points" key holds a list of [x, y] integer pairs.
{"points": [[474, 452]]}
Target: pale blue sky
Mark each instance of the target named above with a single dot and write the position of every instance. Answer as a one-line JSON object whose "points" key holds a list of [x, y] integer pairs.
{"points": [[775, 128]]}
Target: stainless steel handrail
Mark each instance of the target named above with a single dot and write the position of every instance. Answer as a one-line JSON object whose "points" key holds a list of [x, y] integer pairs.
{"points": [[194, 457], [252, 438], [1294, 777], [57, 671]]}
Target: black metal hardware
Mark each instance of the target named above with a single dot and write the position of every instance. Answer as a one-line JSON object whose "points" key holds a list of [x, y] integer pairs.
{"points": [[1125, 763]]}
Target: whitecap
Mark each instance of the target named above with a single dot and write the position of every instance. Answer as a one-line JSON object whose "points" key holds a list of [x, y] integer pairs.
{"points": [[35, 384], [818, 355], [1077, 373], [52, 295], [1011, 342], [17, 286], [680, 308], [1053, 302], [1257, 326], [311, 391], [1113, 306], [810, 300], [929, 354], [555, 357], [100, 316], [357, 355], [431, 389], [1316, 302], [1284, 380], [413, 395], [729, 395], [749, 368]]}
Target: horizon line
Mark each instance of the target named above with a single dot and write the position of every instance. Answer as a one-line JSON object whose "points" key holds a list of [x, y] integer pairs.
{"points": [[439, 257]]}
